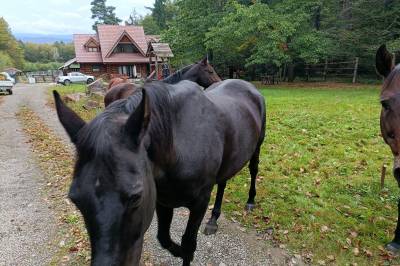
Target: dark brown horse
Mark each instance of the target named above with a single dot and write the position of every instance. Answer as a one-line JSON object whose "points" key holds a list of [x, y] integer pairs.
{"points": [[119, 91], [201, 72], [390, 119], [116, 81], [163, 147]]}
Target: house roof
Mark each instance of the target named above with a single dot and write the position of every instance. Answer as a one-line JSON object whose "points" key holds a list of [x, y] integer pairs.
{"points": [[68, 63], [160, 50], [82, 56], [152, 38], [109, 35]]}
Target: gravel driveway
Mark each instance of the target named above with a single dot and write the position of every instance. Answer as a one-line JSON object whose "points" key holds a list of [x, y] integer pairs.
{"points": [[27, 225], [232, 245]]}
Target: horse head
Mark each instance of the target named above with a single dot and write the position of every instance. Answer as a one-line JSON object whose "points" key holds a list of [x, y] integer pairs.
{"points": [[390, 101], [112, 184], [202, 73]]}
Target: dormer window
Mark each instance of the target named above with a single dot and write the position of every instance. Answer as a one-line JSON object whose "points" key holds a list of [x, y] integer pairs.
{"points": [[92, 45], [126, 48], [93, 49]]}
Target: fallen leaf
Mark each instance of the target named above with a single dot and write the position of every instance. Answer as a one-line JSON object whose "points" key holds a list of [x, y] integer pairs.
{"points": [[353, 234], [324, 229], [356, 251]]}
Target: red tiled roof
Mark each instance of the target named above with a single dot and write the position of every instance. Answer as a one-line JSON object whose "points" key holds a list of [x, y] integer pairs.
{"points": [[82, 56], [110, 34], [107, 36]]}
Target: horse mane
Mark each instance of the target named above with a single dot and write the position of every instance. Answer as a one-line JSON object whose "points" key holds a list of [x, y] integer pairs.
{"points": [[177, 76], [391, 83], [98, 137]]}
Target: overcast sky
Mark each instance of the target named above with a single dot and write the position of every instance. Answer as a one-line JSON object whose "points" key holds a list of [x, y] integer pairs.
{"points": [[60, 16]]}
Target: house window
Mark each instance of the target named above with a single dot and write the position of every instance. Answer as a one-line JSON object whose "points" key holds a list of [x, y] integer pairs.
{"points": [[126, 48], [93, 49], [129, 71], [96, 68]]}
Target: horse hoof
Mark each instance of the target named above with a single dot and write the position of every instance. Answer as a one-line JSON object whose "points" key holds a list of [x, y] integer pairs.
{"points": [[393, 247], [249, 207], [210, 229]]}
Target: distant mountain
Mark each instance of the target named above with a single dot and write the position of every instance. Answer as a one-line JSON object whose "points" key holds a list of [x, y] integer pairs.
{"points": [[43, 38]]}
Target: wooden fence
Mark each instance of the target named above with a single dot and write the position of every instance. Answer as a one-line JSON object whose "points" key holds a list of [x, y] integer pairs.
{"points": [[44, 76], [343, 69]]}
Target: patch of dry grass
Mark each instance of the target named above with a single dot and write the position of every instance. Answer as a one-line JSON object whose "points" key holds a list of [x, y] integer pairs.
{"points": [[56, 161]]}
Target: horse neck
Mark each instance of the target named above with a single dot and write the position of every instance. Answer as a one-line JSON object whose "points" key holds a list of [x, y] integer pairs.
{"points": [[161, 148], [177, 76]]}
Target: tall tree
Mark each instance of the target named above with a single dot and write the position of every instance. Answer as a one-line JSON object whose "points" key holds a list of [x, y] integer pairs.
{"points": [[10, 49], [187, 31], [134, 18], [103, 14]]}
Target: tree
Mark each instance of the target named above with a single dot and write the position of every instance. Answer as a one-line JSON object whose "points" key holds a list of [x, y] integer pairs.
{"points": [[149, 25], [103, 14], [10, 49], [163, 12], [134, 18], [187, 31]]}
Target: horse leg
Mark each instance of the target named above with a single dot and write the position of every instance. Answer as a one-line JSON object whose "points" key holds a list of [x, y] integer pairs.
{"points": [[394, 246], [164, 218], [212, 226], [189, 238], [253, 167]]}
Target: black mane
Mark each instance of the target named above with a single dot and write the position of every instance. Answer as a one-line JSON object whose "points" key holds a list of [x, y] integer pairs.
{"points": [[100, 135], [177, 76]]}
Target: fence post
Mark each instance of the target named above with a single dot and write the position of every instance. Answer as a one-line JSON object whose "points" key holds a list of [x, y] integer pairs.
{"points": [[325, 68], [355, 70], [307, 72]]}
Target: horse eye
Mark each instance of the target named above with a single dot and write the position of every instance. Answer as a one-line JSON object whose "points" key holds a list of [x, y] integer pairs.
{"points": [[133, 201], [391, 135]]}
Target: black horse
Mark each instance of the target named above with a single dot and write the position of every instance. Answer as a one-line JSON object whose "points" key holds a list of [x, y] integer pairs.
{"points": [[163, 147], [390, 120], [201, 72]]}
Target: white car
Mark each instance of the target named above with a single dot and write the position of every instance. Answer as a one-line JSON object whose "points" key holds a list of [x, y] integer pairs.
{"points": [[8, 77], [75, 77], [6, 85]]}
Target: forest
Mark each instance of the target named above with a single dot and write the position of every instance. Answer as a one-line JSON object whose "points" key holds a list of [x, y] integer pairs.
{"points": [[243, 35], [254, 35], [31, 56]]}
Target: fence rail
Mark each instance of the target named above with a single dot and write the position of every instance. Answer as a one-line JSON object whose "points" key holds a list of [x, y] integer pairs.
{"points": [[343, 69]]}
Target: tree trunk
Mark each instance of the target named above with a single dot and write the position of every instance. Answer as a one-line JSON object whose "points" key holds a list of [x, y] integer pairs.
{"points": [[290, 72]]}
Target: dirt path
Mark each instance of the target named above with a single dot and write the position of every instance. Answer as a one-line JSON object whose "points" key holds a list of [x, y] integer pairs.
{"points": [[26, 223], [230, 246]]}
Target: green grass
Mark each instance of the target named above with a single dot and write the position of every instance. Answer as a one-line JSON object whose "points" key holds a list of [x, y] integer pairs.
{"points": [[77, 106], [320, 168], [319, 187]]}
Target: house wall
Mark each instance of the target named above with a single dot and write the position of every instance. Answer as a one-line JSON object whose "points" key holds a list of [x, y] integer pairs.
{"points": [[87, 68]]}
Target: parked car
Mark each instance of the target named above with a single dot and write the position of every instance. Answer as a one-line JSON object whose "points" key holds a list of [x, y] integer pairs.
{"points": [[6, 85], [8, 77], [75, 77]]}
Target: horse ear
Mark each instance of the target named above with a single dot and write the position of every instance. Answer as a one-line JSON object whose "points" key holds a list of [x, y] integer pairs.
{"points": [[139, 120], [68, 118], [204, 61], [384, 61]]}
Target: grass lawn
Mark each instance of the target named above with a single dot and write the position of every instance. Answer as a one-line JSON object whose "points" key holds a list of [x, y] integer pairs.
{"points": [[77, 106], [319, 187]]}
